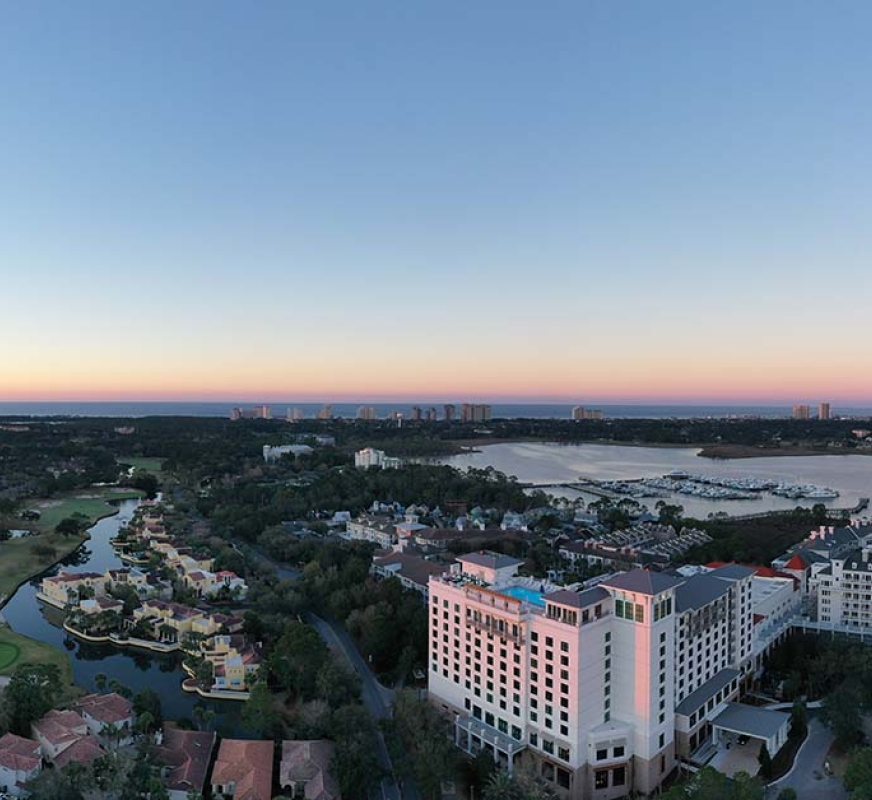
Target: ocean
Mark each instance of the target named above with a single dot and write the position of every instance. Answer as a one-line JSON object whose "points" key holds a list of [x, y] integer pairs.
{"points": [[349, 410]]}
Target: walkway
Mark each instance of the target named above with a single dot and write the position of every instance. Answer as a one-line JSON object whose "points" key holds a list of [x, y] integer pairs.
{"points": [[807, 776]]}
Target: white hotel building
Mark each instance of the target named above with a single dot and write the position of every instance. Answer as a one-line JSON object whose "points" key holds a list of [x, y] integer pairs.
{"points": [[601, 689]]}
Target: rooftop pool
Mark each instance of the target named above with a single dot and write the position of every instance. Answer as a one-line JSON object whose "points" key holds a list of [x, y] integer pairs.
{"points": [[528, 595]]}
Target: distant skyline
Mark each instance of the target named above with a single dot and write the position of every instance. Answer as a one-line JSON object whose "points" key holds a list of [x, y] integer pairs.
{"points": [[575, 202]]}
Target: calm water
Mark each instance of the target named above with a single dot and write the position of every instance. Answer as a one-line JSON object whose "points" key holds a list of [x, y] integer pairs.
{"points": [[136, 669], [507, 410], [539, 463]]}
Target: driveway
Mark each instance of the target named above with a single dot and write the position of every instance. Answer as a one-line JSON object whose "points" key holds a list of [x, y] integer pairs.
{"points": [[807, 776]]}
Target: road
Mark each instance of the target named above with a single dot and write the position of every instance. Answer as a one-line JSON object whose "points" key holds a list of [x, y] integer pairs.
{"points": [[807, 776], [376, 697]]}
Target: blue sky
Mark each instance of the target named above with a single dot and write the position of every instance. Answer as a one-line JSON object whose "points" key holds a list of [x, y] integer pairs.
{"points": [[598, 201]]}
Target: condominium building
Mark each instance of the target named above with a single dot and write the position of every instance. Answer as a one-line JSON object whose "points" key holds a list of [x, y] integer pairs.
{"points": [[449, 410], [295, 415], [801, 412], [325, 412], [370, 457], [472, 412], [380, 530], [367, 413], [605, 686], [824, 411], [580, 413]]}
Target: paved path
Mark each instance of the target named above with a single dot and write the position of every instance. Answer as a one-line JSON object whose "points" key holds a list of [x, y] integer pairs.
{"points": [[807, 776]]}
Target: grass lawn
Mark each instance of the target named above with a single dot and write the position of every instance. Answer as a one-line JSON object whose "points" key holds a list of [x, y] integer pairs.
{"points": [[29, 651], [92, 503], [152, 465], [18, 561]]}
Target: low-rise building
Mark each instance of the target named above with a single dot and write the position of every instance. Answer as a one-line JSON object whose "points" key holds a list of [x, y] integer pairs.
{"points": [[20, 761], [304, 771], [235, 661], [243, 770], [65, 588], [369, 528], [184, 757], [109, 717], [411, 570]]}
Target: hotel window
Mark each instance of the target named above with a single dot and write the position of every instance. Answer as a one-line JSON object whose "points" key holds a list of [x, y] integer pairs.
{"points": [[602, 755], [618, 752], [563, 753], [619, 776], [601, 779]]}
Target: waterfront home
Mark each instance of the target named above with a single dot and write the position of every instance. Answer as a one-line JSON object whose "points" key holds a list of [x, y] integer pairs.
{"points": [[20, 761], [184, 758], [305, 770], [100, 605], [211, 584], [159, 613], [234, 661], [210, 624], [109, 717], [243, 770], [66, 587]]}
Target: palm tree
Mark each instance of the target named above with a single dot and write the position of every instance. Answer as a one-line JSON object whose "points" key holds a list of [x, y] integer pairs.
{"points": [[100, 681], [502, 787]]}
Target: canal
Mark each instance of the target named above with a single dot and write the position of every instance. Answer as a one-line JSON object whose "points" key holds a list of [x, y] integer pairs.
{"points": [[133, 668]]}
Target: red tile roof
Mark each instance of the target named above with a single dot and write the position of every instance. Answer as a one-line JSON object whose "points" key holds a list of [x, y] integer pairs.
{"points": [[187, 753], [18, 754], [83, 751], [110, 709], [248, 764]]}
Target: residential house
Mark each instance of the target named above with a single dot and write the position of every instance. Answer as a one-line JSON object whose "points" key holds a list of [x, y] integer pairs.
{"points": [[184, 757], [243, 770], [104, 713], [304, 771], [20, 761]]}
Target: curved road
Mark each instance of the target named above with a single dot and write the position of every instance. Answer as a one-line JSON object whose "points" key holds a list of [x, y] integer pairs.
{"points": [[376, 698], [807, 776]]}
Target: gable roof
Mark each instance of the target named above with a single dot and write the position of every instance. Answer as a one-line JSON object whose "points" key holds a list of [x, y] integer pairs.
{"points": [[642, 581], [83, 751], [188, 754], [18, 754], [309, 762], [110, 709]]}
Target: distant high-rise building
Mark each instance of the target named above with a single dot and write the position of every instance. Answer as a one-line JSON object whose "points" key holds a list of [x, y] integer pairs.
{"points": [[367, 413], [801, 412], [475, 412], [256, 412], [824, 411], [326, 412], [579, 413], [295, 414], [449, 411], [431, 415], [416, 414]]}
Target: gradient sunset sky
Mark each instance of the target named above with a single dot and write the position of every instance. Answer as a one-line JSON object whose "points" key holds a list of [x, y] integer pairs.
{"points": [[583, 201]]}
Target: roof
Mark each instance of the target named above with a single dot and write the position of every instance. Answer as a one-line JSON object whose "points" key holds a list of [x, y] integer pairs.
{"points": [[83, 751], [187, 753], [309, 762], [490, 560], [699, 591], [732, 572], [110, 709], [18, 754], [705, 692], [642, 581], [248, 764], [751, 720], [57, 727], [411, 567], [588, 597]]}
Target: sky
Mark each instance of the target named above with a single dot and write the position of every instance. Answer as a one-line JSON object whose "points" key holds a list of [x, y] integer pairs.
{"points": [[582, 201]]}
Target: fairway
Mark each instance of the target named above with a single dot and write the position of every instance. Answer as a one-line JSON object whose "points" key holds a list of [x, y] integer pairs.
{"points": [[152, 465], [9, 653], [92, 503]]}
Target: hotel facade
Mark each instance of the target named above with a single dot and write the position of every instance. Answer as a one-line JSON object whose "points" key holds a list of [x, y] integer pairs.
{"points": [[598, 690]]}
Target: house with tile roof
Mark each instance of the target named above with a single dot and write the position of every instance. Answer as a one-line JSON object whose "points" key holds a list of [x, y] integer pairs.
{"points": [[20, 761], [184, 758], [304, 771], [243, 770], [105, 714]]}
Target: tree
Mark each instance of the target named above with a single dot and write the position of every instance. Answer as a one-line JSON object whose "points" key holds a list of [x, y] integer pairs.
{"points": [[148, 701], [798, 719], [858, 775], [33, 690], [841, 712], [297, 658], [204, 716], [765, 761], [354, 763], [100, 681], [70, 526], [259, 713]]}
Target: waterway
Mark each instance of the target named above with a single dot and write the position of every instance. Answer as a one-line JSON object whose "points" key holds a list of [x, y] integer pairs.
{"points": [[539, 463], [135, 669]]}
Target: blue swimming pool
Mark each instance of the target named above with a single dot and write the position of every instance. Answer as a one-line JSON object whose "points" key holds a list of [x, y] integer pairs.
{"points": [[528, 595]]}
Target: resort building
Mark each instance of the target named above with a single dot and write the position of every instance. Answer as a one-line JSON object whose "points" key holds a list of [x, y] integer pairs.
{"points": [[66, 588], [243, 770], [369, 457], [366, 528], [235, 661], [412, 571], [605, 686]]}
